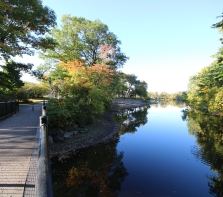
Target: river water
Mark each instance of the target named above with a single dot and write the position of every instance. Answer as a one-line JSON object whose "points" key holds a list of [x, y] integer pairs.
{"points": [[159, 151]]}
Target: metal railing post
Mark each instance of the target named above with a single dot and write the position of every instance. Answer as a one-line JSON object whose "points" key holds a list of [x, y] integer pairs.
{"points": [[18, 105], [44, 108], [6, 110], [44, 177], [11, 108]]}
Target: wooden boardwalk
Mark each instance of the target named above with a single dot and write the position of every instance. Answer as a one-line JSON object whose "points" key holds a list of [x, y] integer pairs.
{"points": [[19, 135]]}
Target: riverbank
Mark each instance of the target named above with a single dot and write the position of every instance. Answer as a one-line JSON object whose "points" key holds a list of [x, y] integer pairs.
{"points": [[128, 103], [103, 129]]}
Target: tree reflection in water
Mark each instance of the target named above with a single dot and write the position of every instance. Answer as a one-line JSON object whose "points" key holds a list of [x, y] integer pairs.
{"points": [[209, 134], [165, 103], [97, 170], [129, 119], [93, 171]]}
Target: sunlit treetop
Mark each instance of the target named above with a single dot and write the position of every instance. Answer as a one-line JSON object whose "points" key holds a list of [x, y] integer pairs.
{"points": [[88, 41], [97, 74]]}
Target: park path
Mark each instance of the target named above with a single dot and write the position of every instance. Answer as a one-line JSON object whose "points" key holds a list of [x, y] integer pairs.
{"points": [[19, 136]]}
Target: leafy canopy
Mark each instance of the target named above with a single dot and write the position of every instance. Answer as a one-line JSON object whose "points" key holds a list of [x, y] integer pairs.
{"points": [[22, 25], [84, 92], [205, 90], [88, 41]]}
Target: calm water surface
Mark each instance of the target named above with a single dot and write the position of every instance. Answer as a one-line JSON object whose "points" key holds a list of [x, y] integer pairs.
{"points": [[159, 152]]}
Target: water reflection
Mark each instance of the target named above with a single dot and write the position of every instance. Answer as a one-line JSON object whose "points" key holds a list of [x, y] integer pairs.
{"points": [[177, 103], [157, 156], [91, 172], [209, 136], [130, 119]]}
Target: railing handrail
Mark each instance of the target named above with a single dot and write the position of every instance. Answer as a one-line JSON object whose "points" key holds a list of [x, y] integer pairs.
{"points": [[44, 176]]}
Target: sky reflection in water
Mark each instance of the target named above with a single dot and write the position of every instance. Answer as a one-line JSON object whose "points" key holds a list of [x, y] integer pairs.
{"points": [[159, 160]]}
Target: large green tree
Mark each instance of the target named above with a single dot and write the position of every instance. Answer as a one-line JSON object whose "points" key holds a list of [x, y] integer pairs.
{"points": [[129, 86], [205, 90], [10, 75], [131, 82], [23, 24], [10, 79], [88, 41], [141, 89]]}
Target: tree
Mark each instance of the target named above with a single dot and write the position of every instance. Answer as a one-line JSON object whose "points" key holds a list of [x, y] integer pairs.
{"points": [[10, 79], [153, 95], [129, 86], [21, 25], [205, 88], [32, 90], [88, 41], [164, 96], [219, 25], [141, 89], [180, 96], [84, 93], [131, 81], [10, 75], [121, 85]]}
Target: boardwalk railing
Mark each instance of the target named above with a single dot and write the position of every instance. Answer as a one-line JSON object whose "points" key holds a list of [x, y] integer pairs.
{"points": [[44, 176], [8, 108]]}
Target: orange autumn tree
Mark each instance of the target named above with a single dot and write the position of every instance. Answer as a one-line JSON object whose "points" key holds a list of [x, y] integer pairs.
{"points": [[97, 74], [86, 91], [96, 78]]}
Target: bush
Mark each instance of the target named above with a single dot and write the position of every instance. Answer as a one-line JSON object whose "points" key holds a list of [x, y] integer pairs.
{"points": [[57, 113], [80, 110]]}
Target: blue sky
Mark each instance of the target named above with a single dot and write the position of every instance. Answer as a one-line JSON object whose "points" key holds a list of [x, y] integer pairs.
{"points": [[167, 40]]}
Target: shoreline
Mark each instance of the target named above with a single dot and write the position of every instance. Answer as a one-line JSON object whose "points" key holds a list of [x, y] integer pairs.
{"points": [[103, 129]]}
